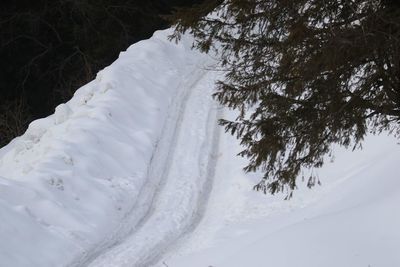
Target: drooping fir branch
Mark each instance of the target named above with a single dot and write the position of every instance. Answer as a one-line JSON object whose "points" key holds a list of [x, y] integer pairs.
{"points": [[304, 74]]}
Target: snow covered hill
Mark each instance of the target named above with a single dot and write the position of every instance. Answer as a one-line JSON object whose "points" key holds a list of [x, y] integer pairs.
{"points": [[134, 171]]}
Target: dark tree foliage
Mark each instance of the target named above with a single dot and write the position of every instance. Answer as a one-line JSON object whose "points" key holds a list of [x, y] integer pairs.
{"points": [[49, 48], [304, 74]]}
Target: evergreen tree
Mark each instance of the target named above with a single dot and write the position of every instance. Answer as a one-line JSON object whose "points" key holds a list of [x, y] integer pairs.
{"points": [[304, 74]]}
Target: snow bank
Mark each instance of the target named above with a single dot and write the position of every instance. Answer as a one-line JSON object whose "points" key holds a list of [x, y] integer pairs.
{"points": [[68, 182]]}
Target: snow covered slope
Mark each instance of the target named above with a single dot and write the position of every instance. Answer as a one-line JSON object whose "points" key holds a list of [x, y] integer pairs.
{"points": [[133, 171], [76, 183], [352, 220]]}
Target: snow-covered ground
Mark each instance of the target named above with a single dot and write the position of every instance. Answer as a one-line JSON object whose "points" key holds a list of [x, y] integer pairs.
{"points": [[353, 219], [134, 171], [80, 181]]}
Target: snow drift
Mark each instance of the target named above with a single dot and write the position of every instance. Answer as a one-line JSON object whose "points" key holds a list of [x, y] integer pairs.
{"points": [[69, 184]]}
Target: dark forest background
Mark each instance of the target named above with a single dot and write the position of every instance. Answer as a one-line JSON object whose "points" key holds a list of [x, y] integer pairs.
{"points": [[49, 48]]}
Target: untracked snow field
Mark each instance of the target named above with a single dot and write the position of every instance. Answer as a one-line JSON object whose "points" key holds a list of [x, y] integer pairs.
{"points": [[135, 171]]}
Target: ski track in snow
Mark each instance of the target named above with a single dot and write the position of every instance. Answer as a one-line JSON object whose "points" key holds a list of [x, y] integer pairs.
{"points": [[174, 197]]}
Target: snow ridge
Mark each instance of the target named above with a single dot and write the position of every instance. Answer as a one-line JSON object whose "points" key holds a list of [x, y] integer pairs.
{"points": [[77, 181]]}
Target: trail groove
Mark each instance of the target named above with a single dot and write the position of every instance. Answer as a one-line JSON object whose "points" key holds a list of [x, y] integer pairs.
{"points": [[179, 180]]}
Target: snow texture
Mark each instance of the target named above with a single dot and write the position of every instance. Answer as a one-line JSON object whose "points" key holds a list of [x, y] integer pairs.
{"points": [[134, 171], [79, 181], [351, 220]]}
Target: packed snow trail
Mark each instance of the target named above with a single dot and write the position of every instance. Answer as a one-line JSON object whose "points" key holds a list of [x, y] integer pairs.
{"points": [[179, 180], [130, 148], [122, 173]]}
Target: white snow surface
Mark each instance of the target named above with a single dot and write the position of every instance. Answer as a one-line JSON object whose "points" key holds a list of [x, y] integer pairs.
{"points": [[134, 171], [352, 219]]}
